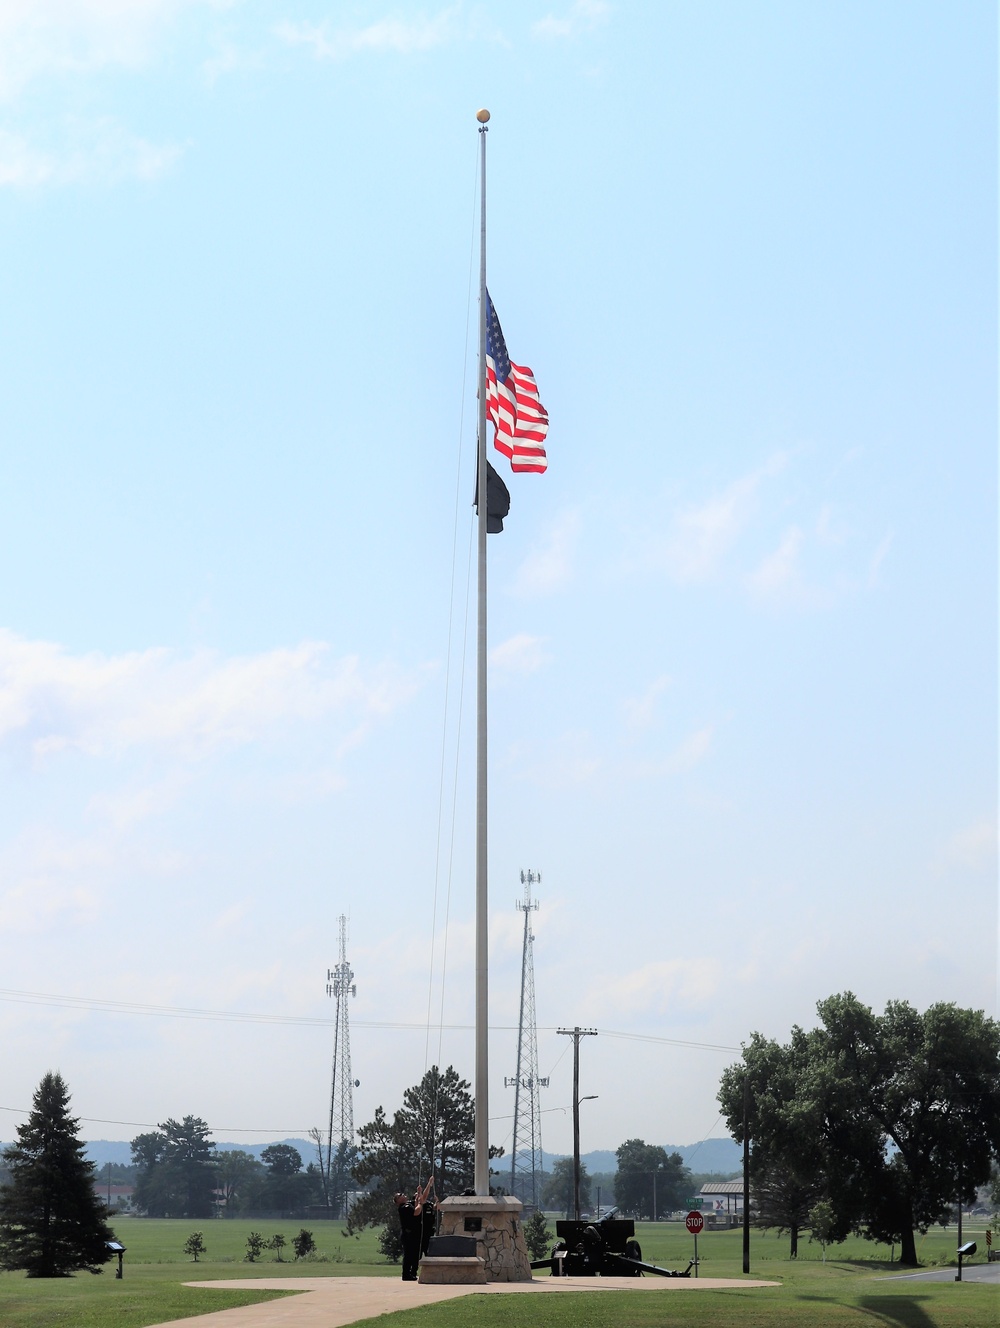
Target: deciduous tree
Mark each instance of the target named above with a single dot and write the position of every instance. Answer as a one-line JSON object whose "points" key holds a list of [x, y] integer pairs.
{"points": [[286, 1185], [557, 1193], [646, 1171], [885, 1117], [51, 1221], [236, 1172]]}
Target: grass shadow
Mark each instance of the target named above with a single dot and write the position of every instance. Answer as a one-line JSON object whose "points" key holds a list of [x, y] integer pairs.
{"points": [[902, 1310]]}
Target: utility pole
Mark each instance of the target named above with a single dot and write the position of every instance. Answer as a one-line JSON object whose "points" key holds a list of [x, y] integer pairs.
{"points": [[526, 1139], [746, 1170], [340, 985], [576, 1034]]}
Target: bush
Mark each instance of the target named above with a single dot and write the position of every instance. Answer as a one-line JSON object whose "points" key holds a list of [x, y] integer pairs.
{"points": [[194, 1245], [390, 1242], [303, 1244], [255, 1247], [277, 1243]]}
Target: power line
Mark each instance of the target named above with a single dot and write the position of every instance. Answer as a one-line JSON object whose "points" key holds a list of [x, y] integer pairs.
{"points": [[303, 1021], [287, 1132]]}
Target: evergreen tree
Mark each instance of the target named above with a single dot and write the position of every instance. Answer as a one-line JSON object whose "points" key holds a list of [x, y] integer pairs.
{"points": [[51, 1221], [537, 1236], [303, 1244], [176, 1167], [432, 1133]]}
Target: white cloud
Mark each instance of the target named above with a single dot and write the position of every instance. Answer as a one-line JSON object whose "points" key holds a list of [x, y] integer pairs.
{"points": [[38, 905], [582, 16], [568, 761], [128, 807], [662, 987], [693, 749], [877, 559], [550, 566], [397, 35], [829, 528], [101, 151], [519, 654], [106, 704], [43, 37], [51, 881], [688, 753], [779, 575], [701, 536], [230, 59], [72, 39], [974, 846], [640, 712]]}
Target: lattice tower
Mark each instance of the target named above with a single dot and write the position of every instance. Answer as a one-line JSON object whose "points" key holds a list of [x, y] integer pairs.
{"points": [[526, 1142], [340, 1136]]}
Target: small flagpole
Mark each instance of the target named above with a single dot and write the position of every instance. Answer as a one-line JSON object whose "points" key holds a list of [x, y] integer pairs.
{"points": [[482, 1147]]}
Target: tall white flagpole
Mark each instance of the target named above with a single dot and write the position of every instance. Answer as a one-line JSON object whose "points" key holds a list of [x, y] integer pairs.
{"points": [[482, 1147]]}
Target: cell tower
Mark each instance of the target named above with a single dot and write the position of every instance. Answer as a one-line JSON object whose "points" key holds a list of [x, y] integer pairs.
{"points": [[340, 1136], [526, 1142]]}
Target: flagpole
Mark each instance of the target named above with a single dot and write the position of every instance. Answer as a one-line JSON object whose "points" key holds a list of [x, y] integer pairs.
{"points": [[482, 1147]]}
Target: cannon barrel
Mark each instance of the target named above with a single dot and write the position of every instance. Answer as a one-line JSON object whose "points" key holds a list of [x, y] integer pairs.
{"points": [[629, 1265]]}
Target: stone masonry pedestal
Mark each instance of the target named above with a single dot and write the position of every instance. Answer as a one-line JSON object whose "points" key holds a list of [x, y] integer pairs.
{"points": [[496, 1225]]}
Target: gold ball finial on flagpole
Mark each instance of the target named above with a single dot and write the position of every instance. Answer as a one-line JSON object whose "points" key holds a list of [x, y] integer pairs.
{"points": [[482, 116]]}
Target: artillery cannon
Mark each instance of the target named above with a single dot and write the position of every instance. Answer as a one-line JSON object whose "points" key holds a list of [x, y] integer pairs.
{"points": [[600, 1249]]}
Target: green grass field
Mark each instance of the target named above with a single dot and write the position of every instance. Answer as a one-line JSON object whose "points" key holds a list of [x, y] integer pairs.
{"points": [[848, 1288]]}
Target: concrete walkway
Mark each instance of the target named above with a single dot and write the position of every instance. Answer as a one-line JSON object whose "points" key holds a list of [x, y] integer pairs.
{"points": [[331, 1302]]}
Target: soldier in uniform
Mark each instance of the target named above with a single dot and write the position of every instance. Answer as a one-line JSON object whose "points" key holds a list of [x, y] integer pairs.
{"points": [[410, 1213]]}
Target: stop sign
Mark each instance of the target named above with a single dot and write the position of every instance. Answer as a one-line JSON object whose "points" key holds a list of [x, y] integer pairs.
{"points": [[694, 1223]]}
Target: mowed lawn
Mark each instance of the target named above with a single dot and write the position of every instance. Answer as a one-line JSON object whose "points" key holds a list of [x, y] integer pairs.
{"points": [[851, 1287]]}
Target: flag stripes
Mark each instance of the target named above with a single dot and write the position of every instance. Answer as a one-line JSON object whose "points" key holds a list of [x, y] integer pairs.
{"points": [[520, 420]]}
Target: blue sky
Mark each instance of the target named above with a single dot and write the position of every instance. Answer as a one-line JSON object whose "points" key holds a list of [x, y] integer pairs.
{"points": [[743, 632]]}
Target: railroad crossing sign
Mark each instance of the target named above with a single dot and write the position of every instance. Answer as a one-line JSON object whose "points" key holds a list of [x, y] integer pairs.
{"points": [[694, 1223]]}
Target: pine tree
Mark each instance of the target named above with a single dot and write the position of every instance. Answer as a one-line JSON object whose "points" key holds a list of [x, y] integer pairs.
{"points": [[51, 1221]]}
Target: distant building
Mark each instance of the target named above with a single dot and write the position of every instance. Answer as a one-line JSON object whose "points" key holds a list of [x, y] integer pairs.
{"points": [[722, 1202], [118, 1197]]}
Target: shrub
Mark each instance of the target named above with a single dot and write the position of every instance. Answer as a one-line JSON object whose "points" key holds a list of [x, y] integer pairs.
{"points": [[194, 1245], [255, 1247], [303, 1244], [390, 1242]]}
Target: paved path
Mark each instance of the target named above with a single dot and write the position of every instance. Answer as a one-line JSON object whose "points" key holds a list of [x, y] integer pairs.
{"points": [[972, 1272], [332, 1302]]}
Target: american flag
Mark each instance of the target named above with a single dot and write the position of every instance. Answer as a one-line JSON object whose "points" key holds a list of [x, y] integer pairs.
{"points": [[520, 419]]}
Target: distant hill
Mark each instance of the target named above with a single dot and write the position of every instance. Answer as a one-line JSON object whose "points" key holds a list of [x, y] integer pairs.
{"points": [[712, 1156], [103, 1151]]}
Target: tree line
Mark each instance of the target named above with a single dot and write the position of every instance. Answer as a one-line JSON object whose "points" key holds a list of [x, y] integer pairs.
{"points": [[873, 1124], [179, 1173]]}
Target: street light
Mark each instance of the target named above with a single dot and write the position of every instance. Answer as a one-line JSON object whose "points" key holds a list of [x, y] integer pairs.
{"points": [[591, 1097]]}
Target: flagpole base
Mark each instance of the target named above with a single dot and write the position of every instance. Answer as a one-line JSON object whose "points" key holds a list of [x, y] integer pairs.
{"points": [[495, 1222]]}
